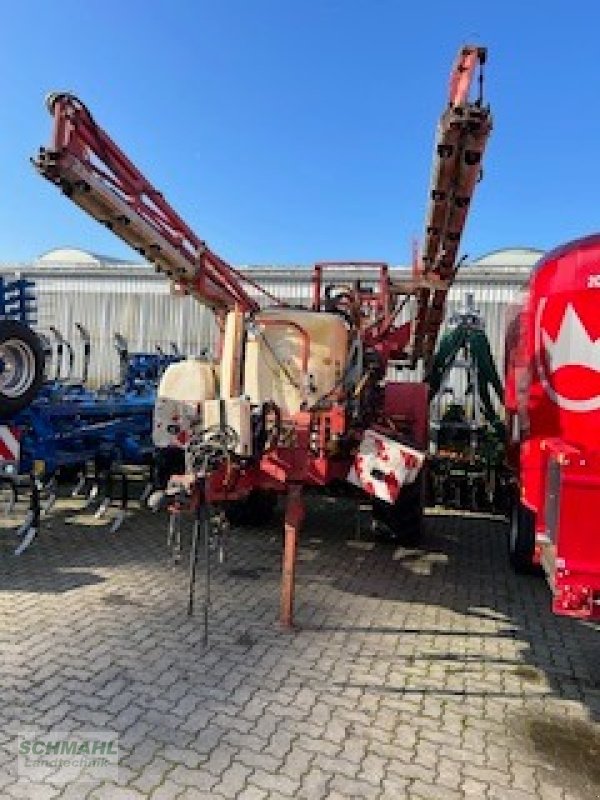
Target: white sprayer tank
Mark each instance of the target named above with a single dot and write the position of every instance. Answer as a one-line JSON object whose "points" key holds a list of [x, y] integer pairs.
{"points": [[274, 354]]}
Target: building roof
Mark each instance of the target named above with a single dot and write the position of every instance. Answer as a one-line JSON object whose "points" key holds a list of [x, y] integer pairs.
{"points": [[72, 258], [510, 257], [75, 255]]}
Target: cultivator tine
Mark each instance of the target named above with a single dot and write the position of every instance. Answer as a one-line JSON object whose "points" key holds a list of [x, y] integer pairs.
{"points": [[26, 541], [122, 349], [79, 486], [29, 528], [22, 530], [146, 493], [86, 354], [92, 495], [118, 521], [59, 343], [70, 359], [49, 504], [102, 508], [50, 501], [122, 512]]}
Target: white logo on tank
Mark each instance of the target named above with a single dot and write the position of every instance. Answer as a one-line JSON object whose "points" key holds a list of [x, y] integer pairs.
{"points": [[573, 346]]}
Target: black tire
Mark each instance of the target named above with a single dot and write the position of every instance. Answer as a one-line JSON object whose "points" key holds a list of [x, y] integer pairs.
{"points": [[404, 519], [255, 509], [21, 366], [521, 540], [428, 494], [502, 503]]}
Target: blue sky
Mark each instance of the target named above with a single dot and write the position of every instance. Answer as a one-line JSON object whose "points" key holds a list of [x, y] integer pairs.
{"points": [[289, 131]]}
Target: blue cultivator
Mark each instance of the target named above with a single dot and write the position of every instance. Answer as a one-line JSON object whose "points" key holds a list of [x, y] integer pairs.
{"points": [[68, 431], [65, 428], [96, 436]]}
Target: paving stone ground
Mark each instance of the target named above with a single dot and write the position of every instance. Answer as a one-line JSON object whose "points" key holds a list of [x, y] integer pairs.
{"points": [[413, 673]]}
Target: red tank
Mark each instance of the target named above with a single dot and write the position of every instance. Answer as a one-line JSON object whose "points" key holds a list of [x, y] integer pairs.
{"points": [[553, 415]]}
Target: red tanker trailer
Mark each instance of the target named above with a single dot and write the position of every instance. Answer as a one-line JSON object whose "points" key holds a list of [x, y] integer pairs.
{"points": [[553, 415]]}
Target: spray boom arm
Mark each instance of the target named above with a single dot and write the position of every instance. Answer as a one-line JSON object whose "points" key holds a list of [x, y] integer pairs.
{"points": [[462, 134], [85, 163]]}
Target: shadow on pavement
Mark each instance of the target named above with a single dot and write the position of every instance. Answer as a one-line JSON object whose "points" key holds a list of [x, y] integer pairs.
{"points": [[462, 567]]}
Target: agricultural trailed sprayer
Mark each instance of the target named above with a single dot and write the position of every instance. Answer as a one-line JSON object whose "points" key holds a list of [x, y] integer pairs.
{"points": [[294, 397]]}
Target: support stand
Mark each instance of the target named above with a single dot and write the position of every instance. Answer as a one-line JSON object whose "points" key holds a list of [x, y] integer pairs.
{"points": [[294, 514]]}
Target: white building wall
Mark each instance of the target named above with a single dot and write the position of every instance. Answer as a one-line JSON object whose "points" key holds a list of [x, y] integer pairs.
{"points": [[136, 302]]}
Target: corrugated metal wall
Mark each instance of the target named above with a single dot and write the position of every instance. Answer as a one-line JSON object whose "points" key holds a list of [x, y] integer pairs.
{"points": [[132, 301], [137, 302]]}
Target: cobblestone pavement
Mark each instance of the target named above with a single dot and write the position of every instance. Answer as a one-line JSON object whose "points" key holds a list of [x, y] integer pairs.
{"points": [[432, 673]]}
